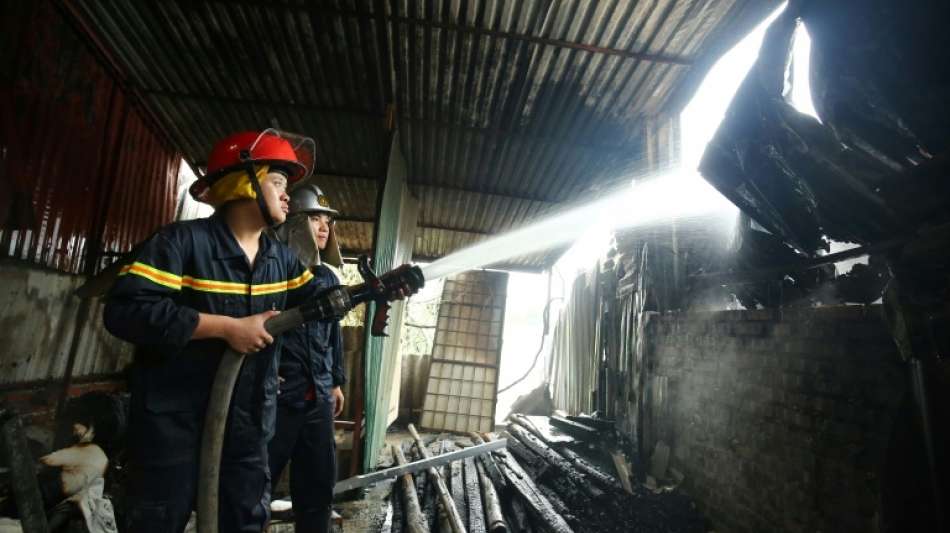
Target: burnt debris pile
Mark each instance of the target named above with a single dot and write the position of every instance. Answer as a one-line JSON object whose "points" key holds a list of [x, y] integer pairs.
{"points": [[556, 474]]}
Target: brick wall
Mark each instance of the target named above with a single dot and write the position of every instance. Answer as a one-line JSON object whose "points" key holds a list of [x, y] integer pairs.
{"points": [[780, 421]]}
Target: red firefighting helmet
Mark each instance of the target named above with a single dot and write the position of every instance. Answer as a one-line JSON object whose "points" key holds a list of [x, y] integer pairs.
{"points": [[287, 152]]}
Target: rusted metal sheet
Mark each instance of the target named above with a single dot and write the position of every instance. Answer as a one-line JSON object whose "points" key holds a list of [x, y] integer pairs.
{"points": [[502, 107], [78, 163]]}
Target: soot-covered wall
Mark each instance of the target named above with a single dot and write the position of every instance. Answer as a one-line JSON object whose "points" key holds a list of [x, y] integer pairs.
{"points": [[780, 421]]}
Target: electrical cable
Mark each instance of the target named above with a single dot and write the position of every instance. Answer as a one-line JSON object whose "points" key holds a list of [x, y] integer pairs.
{"points": [[544, 333]]}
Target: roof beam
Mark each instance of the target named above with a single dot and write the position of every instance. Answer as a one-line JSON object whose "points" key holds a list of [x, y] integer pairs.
{"points": [[365, 220], [471, 30], [381, 117], [478, 32], [468, 190]]}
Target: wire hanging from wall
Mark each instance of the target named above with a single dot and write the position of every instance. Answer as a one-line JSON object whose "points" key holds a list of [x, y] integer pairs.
{"points": [[545, 317]]}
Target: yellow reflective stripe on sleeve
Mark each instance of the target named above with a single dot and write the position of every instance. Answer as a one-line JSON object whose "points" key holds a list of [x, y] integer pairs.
{"points": [[300, 280], [228, 287], [160, 277], [270, 288], [172, 281]]}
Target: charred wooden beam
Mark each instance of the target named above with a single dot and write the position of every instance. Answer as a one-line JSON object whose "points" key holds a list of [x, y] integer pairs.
{"points": [[26, 489], [536, 503], [491, 469], [473, 498], [457, 486], [427, 497], [590, 470], [445, 518], [598, 423], [415, 520], [547, 436], [519, 522], [494, 518], [445, 498], [530, 460], [623, 470], [575, 429], [568, 474], [558, 504]]}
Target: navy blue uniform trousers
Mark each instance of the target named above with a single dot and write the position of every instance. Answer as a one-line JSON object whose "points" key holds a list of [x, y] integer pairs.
{"points": [[304, 436]]}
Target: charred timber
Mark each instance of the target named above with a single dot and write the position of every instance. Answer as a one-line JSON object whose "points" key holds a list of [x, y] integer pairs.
{"points": [[473, 497], [590, 470], [448, 506], [457, 486], [25, 487], [491, 469], [534, 500], [427, 496], [445, 517], [569, 475], [415, 520], [548, 437], [575, 429], [494, 518], [530, 460], [598, 423], [519, 521]]}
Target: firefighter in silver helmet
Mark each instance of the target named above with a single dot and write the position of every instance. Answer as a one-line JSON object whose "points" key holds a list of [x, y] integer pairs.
{"points": [[311, 371]]}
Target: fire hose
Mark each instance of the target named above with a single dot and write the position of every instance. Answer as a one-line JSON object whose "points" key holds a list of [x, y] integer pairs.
{"points": [[331, 303]]}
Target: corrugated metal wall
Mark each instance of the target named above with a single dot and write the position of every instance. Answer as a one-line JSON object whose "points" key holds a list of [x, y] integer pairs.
{"points": [[83, 178], [79, 164], [572, 370], [37, 321], [598, 342], [394, 241]]}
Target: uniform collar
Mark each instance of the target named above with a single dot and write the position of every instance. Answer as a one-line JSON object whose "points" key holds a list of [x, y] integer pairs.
{"points": [[226, 246]]}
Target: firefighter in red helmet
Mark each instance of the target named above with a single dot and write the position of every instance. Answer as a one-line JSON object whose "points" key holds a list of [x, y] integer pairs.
{"points": [[192, 289]]}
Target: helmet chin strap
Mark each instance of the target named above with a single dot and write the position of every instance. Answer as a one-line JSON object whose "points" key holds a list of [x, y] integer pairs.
{"points": [[255, 184]]}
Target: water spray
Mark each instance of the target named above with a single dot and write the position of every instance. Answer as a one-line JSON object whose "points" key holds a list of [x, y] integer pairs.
{"points": [[657, 197]]}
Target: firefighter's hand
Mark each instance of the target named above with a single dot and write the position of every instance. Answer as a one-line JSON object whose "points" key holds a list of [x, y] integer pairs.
{"points": [[247, 335], [401, 292], [337, 395]]}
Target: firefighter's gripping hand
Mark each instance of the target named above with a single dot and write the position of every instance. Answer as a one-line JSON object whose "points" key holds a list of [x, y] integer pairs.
{"points": [[400, 291], [247, 335]]}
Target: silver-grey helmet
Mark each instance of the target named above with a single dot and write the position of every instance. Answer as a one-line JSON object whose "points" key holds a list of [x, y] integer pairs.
{"points": [[305, 200], [308, 198]]}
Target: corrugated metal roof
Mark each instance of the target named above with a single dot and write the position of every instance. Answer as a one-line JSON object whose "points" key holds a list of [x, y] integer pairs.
{"points": [[77, 162], [504, 107]]}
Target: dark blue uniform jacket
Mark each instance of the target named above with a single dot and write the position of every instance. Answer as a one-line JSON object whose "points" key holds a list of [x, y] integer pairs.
{"points": [[187, 268], [312, 354]]}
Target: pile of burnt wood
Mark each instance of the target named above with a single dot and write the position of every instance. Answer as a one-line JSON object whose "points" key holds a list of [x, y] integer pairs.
{"points": [[555, 474]]}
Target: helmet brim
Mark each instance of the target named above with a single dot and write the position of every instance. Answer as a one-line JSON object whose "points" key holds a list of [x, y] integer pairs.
{"points": [[295, 172], [316, 211]]}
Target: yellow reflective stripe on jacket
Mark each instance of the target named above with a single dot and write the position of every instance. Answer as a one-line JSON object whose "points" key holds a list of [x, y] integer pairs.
{"points": [[165, 279], [208, 285], [172, 281]]}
